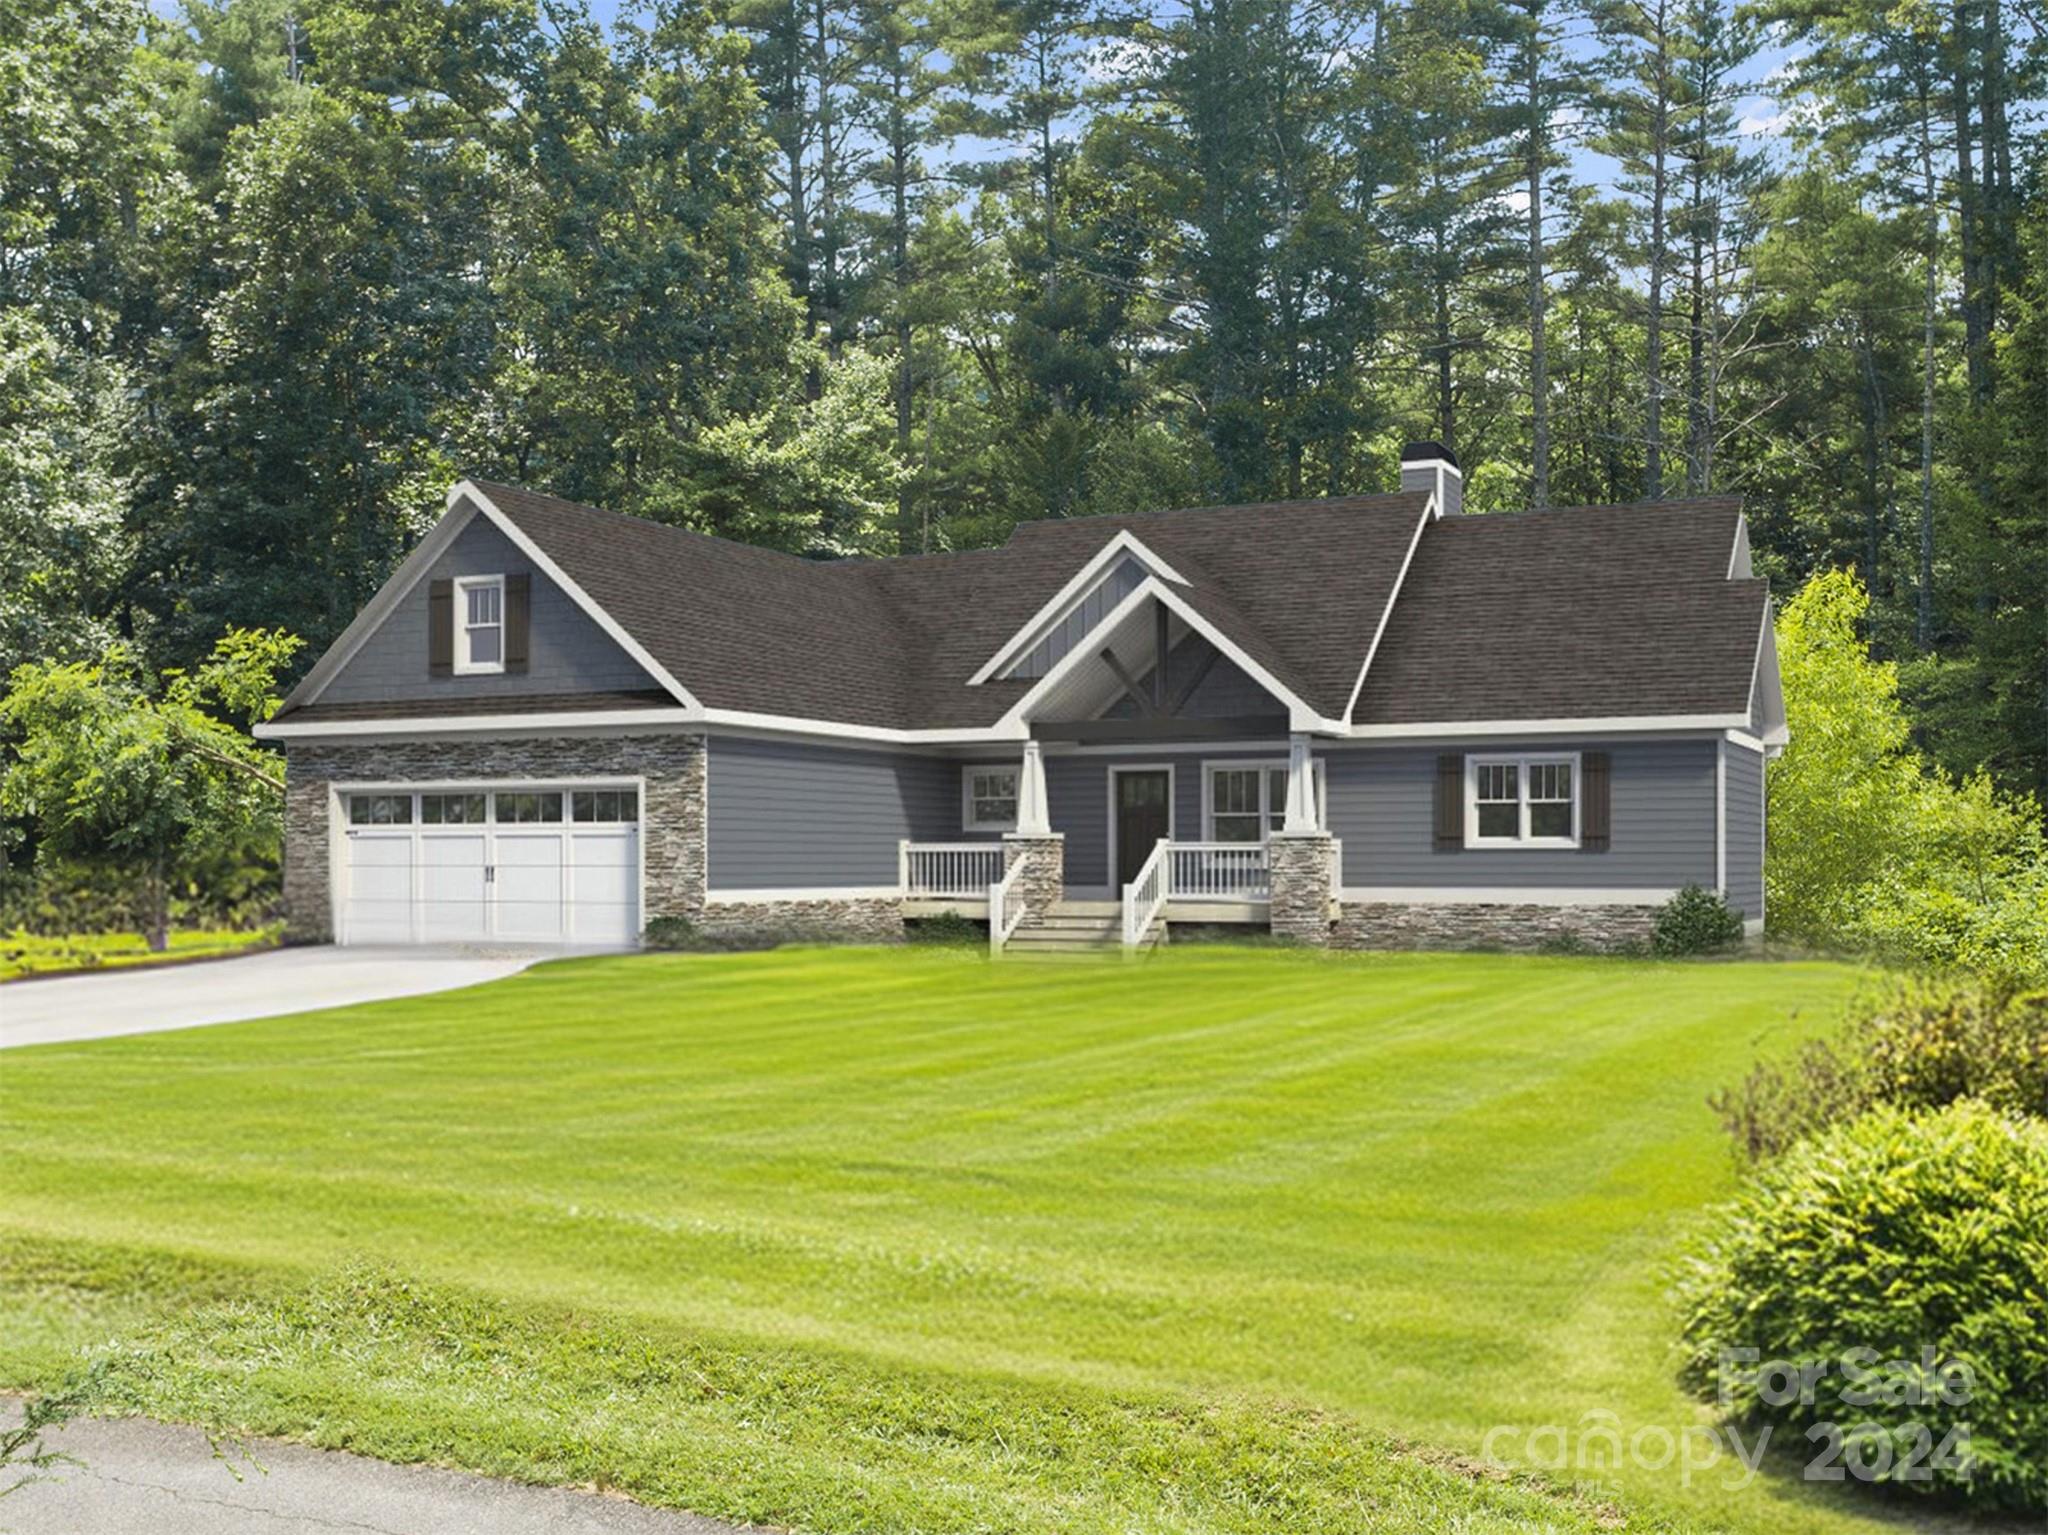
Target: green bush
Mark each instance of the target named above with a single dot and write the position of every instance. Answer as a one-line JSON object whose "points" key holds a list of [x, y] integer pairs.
{"points": [[1919, 1044], [1921, 1239], [1695, 921], [948, 928]]}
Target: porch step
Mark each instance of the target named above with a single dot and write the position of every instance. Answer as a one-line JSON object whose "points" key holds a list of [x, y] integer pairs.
{"points": [[1073, 927]]}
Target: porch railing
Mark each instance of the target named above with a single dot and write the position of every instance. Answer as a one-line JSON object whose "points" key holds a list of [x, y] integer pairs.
{"points": [[1220, 871], [1146, 895], [1005, 908], [949, 871]]}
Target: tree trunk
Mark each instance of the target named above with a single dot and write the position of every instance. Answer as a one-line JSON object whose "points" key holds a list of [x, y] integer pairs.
{"points": [[1660, 144], [1923, 623], [828, 183], [1539, 361], [156, 912], [908, 534]]}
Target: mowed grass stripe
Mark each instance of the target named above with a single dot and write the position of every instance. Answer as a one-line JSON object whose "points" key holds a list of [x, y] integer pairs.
{"points": [[1407, 1189]]}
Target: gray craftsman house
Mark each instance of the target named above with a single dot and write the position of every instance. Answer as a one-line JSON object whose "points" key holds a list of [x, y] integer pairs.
{"points": [[1368, 721]]}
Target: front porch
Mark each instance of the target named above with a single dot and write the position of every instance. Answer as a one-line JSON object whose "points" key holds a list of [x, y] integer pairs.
{"points": [[1019, 884]]}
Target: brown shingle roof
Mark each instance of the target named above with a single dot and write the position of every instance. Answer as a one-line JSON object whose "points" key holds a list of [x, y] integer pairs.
{"points": [[1570, 614], [893, 642], [1567, 613]]}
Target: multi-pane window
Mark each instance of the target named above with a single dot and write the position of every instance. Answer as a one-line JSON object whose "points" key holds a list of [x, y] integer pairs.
{"points": [[1498, 795], [604, 805], [1524, 801], [1237, 805], [480, 616], [451, 809], [990, 799], [1249, 803], [380, 810], [518, 809]]}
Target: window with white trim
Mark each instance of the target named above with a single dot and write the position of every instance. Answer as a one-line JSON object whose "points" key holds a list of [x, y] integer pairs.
{"points": [[479, 624], [1247, 801], [1522, 801], [988, 799]]}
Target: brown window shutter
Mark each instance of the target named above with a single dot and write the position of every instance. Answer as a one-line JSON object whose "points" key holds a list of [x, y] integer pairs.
{"points": [[440, 628], [1450, 802], [518, 603], [1593, 802]]}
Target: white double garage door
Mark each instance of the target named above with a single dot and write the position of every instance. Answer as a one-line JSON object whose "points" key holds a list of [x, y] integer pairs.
{"points": [[513, 863]]}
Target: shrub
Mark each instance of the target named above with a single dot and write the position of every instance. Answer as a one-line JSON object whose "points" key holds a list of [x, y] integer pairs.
{"points": [[1918, 1045], [1695, 921], [949, 928], [1922, 1239]]}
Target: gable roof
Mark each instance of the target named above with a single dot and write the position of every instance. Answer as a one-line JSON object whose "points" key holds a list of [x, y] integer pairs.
{"points": [[1583, 612], [1363, 609]]}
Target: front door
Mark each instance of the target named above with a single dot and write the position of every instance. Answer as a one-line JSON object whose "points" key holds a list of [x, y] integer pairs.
{"points": [[1142, 819]]}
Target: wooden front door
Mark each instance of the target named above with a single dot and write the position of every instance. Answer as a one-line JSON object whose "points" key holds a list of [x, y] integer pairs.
{"points": [[1143, 817]]}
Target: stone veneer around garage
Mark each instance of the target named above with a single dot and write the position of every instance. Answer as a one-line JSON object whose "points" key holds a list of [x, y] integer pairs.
{"points": [[671, 813]]}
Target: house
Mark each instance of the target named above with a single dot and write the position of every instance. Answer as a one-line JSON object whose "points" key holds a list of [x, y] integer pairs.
{"points": [[1367, 721]]}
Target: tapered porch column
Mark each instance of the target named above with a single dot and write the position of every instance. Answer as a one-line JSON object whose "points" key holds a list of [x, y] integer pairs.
{"points": [[1302, 857], [1032, 820], [1034, 843], [1301, 789]]}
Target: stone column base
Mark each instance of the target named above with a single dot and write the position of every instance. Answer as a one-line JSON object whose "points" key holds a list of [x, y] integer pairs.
{"points": [[1301, 866], [1044, 880]]}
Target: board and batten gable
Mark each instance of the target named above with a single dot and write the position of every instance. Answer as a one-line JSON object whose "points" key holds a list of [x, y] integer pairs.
{"points": [[567, 652], [1743, 783], [1118, 583], [1661, 802], [791, 815]]}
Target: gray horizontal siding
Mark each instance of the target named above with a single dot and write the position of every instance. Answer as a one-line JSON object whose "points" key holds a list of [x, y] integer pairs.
{"points": [[1745, 787], [788, 815], [567, 651], [1077, 803], [1662, 835], [1122, 579]]}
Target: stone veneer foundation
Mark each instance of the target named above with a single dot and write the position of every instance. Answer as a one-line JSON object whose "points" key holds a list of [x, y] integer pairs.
{"points": [[1477, 925], [1044, 881], [1299, 869]]}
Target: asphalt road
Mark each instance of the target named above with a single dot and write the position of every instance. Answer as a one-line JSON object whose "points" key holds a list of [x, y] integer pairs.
{"points": [[162, 1479]]}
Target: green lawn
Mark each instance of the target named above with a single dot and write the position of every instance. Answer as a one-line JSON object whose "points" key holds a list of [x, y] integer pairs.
{"points": [[23, 954], [845, 1239]]}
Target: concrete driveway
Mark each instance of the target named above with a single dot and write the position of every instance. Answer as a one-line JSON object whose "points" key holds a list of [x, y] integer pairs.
{"points": [[138, 1475], [144, 1001]]}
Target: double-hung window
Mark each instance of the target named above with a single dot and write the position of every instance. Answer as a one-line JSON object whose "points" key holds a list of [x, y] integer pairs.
{"points": [[988, 799], [480, 624], [1520, 801], [1247, 801]]}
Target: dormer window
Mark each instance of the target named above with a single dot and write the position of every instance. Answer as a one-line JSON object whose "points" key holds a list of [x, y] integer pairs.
{"points": [[479, 624]]}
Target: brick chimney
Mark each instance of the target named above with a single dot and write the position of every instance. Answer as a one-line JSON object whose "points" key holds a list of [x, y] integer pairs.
{"points": [[1433, 468]]}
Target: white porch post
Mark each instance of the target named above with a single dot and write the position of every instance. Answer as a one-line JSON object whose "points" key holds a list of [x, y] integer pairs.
{"points": [[1301, 789], [1032, 820]]}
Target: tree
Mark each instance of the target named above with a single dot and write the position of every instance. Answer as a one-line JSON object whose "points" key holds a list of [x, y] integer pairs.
{"points": [[106, 764], [1871, 846]]}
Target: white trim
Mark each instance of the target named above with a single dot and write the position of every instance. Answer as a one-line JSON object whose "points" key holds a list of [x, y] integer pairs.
{"points": [[1776, 732], [1055, 611], [1300, 715], [1741, 548], [1277, 764], [1601, 725], [461, 724], [1521, 762], [967, 772], [463, 665], [797, 724], [381, 604], [1172, 808], [1387, 612], [1721, 819], [1494, 895], [806, 893], [577, 594], [1743, 739]]}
